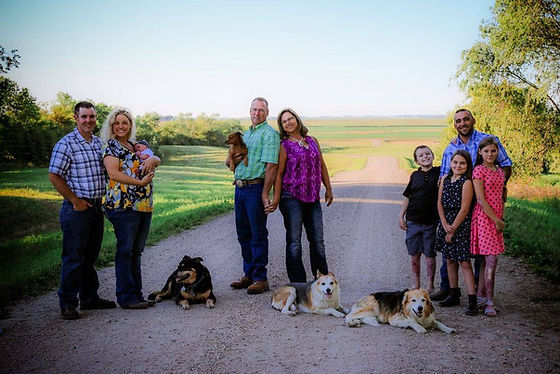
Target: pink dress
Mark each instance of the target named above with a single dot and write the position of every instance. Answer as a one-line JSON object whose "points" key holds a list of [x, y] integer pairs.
{"points": [[485, 238]]}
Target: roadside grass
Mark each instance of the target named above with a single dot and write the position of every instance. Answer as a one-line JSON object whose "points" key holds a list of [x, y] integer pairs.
{"points": [[191, 187]]}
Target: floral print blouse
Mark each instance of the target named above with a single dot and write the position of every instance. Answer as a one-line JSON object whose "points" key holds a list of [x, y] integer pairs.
{"points": [[126, 196]]}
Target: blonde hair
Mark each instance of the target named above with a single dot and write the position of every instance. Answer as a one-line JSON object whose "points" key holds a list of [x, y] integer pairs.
{"points": [[107, 129]]}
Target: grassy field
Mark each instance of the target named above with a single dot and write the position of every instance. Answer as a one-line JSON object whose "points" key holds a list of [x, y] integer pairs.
{"points": [[193, 185]]}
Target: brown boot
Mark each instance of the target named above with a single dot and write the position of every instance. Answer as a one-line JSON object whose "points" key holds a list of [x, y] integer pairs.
{"points": [[258, 287], [244, 282]]}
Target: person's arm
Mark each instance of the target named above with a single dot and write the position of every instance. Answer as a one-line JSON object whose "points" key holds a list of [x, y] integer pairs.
{"points": [[112, 166], [481, 199], [149, 165], [446, 226], [282, 157], [62, 188], [325, 178], [269, 178], [402, 220], [466, 199]]}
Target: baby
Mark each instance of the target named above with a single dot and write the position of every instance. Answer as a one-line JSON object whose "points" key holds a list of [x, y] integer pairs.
{"points": [[143, 150]]}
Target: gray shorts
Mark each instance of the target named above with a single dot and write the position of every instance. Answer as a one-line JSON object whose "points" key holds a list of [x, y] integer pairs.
{"points": [[420, 239]]}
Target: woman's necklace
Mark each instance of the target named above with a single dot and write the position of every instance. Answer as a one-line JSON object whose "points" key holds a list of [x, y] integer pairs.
{"points": [[300, 141]]}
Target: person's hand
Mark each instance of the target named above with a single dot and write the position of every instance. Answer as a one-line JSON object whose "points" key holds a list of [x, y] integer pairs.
{"points": [[448, 237], [149, 166], [448, 228], [270, 208], [329, 197], [81, 205], [265, 200], [500, 225], [146, 179], [402, 224]]}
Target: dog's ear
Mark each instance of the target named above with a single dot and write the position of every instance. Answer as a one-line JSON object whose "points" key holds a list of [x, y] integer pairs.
{"points": [[429, 305], [331, 274], [319, 275], [185, 258], [238, 134], [198, 259], [405, 300]]}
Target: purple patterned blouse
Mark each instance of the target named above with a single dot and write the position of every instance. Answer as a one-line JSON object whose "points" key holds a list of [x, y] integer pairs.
{"points": [[302, 175]]}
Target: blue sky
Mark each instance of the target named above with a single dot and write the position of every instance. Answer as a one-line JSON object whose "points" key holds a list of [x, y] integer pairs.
{"points": [[318, 57]]}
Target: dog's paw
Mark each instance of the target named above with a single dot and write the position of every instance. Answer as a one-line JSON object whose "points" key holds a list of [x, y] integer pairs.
{"points": [[158, 299], [338, 314], [210, 304], [185, 306], [354, 322]]}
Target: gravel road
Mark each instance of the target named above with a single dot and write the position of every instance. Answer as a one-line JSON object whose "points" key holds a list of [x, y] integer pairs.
{"points": [[243, 334]]}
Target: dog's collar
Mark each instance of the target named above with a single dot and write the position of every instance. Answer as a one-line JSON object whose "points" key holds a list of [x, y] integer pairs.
{"points": [[192, 286]]}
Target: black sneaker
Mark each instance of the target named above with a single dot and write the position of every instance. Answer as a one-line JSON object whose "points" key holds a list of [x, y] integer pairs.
{"points": [[99, 304], [69, 312]]}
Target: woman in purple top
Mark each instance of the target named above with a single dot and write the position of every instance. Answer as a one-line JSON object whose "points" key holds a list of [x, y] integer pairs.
{"points": [[301, 170]]}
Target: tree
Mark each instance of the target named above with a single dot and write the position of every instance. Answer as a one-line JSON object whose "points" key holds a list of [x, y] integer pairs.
{"points": [[512, 77], [8, 62]]}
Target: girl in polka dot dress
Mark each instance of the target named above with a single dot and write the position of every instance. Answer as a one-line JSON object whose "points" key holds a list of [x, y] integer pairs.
{"points": [[487, 221], [453, 236]]}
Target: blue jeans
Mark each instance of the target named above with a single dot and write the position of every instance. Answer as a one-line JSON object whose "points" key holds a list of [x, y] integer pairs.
{"points": [[82, 233], [444, 285], [295, 214], [250, 221], [131, 230]]}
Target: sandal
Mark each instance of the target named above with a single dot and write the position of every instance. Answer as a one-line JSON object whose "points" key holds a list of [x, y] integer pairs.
{"points": [[489, 310], [481, 302]]}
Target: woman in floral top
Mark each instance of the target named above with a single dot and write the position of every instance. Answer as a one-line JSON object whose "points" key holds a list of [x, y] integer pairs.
{"points": [[127, 204], [301, 170]]}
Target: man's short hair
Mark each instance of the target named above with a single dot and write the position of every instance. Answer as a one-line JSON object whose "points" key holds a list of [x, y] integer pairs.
{"points": [[260, 99], [464, 110], [82, 104]]}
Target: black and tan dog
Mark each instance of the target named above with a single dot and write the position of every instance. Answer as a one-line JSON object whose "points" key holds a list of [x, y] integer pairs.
{"points": [[189, 284]]}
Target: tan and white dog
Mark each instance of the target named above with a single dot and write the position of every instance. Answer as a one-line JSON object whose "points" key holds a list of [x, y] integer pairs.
{"points": [[321, 296], [408, 308]]}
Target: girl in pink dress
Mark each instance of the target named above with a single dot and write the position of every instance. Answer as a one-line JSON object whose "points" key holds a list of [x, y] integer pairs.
{"points": [[487, 220]]}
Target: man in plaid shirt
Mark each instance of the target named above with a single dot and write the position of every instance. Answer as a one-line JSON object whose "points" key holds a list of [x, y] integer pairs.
{"points": [[252, 188], [468, 139], [77, 173]]}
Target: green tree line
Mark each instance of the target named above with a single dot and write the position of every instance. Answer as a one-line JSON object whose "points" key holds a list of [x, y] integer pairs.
{"points": [[29, 130], [512, 79]]}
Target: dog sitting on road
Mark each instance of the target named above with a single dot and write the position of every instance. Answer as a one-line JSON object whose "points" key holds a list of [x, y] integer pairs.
{"points": [[321, 296], [237, 147], [189, 283], [401, 309]]}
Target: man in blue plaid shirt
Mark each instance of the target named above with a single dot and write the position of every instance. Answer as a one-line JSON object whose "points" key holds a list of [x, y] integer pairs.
{"points": [[252, 187], [468, 139], [77, 173]]}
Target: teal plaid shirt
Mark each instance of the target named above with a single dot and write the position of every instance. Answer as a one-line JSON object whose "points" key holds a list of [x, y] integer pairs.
{"points": [[263, 143]]}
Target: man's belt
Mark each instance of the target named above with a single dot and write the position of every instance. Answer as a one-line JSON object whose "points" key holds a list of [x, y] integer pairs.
{"points": [[246, 182], [92, 201]]}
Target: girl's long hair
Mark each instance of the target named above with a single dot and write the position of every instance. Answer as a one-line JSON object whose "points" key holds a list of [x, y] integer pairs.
{"points": [[467, 156], [484, 143]]}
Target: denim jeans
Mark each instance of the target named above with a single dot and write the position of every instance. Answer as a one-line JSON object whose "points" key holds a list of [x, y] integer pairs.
{"points": [[82, 233], [444, 285], [131, 230], [296, 213], [250, 222]]}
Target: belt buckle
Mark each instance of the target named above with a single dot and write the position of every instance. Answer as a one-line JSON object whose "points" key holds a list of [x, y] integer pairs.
{"points": [[239, 183]]}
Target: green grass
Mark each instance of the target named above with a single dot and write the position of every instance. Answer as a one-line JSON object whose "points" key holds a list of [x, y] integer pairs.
{"points": [[533, 232]]}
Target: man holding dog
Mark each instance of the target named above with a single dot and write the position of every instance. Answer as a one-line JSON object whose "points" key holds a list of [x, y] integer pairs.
{"points": [[76, 172], [468, 139], [252, 188]]}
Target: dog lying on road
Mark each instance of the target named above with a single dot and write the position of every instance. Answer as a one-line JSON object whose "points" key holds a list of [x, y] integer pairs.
{"points": [[321, 296], [189, 283], [237, 147], [401, 309]]}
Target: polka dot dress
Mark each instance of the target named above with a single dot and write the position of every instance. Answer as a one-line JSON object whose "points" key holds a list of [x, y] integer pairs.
{"points": [[485, 238], [451, 197]]}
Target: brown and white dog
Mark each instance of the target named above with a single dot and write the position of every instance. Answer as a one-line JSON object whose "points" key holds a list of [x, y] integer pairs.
{"points": [[321, 296], [189, 283], [408, 308], [237, 146]]}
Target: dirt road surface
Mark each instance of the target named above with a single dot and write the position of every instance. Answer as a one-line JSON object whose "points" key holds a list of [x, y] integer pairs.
{"points": [[243, 334]]}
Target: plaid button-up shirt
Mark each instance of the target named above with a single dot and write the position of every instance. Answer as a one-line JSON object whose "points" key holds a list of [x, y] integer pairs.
{"points": [[263, 143], [472, 147], [79, 163]]}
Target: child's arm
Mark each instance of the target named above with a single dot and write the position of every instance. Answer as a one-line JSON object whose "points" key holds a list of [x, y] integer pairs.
{"points": [[466, 199], [402, 221], [481, 199], [446, 226]]}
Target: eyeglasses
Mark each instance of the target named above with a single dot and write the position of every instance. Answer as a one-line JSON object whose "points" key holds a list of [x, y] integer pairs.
{"points": [[287, 120]]}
